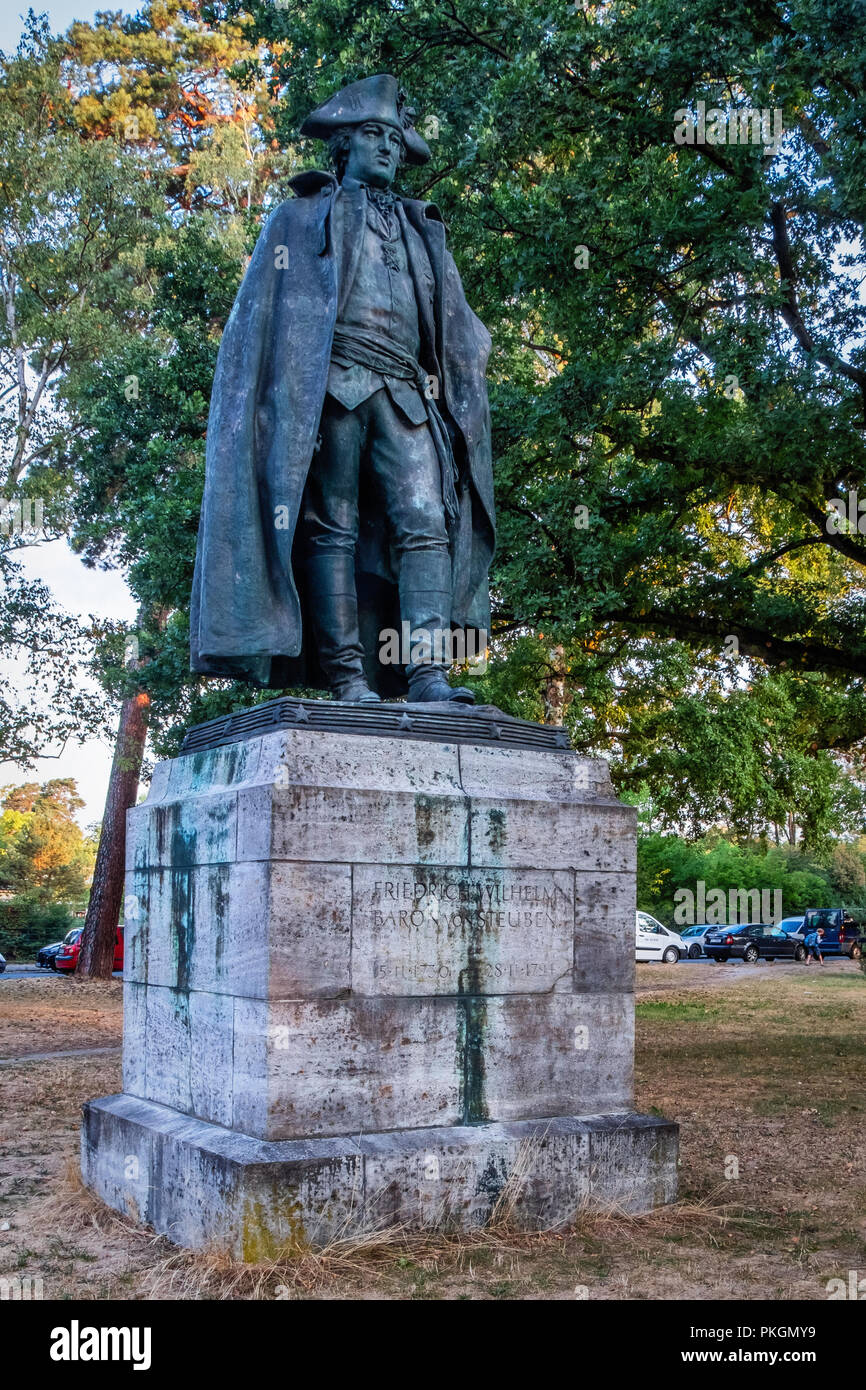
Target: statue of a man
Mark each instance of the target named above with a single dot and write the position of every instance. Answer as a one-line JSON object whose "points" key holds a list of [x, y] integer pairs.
{"points": [[348, 490]]}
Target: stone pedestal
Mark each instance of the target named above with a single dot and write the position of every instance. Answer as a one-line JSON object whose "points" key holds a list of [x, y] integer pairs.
{"points": [[374, 980]]}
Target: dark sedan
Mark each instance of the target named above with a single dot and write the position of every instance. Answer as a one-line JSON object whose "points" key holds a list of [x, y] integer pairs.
{"points": [[45, 958], [753, 941]]}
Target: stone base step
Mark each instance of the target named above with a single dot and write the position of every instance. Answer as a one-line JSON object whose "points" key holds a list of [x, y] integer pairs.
{"points": [[201, 1185]]}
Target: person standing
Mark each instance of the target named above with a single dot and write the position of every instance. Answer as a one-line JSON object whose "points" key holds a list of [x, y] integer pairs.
{"points": [[813, 945]]}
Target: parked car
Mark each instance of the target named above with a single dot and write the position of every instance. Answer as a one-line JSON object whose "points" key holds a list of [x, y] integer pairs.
{"points": [[753, 941], [2, 964], [843, 934], [70, 947], [694, 937], [47, 957], [791, 925], [67, 958], [652, 941]]}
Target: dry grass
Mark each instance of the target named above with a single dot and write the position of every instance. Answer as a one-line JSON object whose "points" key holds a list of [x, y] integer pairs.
{"points": [[71, 1207], [767, 1069], [356, 1259], [49, 1014]]}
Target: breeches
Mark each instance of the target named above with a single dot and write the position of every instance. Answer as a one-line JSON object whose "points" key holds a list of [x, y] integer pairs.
{"points": [[400, 461]]}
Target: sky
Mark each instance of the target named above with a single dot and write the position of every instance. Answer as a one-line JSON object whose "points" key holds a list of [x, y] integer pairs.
{"points": [[79, 589], [82, 591], [61, 13]]}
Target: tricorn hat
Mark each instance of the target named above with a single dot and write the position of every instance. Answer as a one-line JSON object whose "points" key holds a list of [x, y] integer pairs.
{"points": [[372, 99]]}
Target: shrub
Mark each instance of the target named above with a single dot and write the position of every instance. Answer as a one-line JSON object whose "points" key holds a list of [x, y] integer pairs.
{"points": [[27, 925]]}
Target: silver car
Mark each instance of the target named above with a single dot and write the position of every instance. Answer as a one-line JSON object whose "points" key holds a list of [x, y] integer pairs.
{"points": [[695, 937], [793, 926]]}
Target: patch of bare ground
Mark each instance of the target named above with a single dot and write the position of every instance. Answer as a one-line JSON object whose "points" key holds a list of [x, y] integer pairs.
{"points": [[764, 1076], [48, 1013]]}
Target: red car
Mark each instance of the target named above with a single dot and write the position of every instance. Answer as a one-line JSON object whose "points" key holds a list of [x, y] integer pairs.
{"points": [[67, 957]]}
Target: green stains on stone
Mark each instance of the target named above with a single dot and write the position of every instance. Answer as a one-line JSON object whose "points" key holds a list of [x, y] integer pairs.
{"points": [[471, 1020], [235, 763], [425, 825], [472, 1023], [217, 766], [175, 842], [180, 1001], [259, 1223], [492, 1179], [471, 1036], [176, 845], [182, 925], [472, 922], [220, 904], [497, 829], [201, 769], [136, 922]]}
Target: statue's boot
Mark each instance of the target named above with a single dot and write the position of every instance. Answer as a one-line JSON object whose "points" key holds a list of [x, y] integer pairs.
{"points": [[334, 612], [425, 603]]}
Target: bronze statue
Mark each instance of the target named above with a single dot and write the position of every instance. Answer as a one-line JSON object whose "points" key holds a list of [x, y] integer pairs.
{"points": [[348, 489]]}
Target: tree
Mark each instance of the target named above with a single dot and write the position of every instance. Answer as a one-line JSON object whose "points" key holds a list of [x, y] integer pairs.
{"points": [[96, 957], [849, 871], [162, 78], [678, 374], [167, 79], [666, 444], [43, 852], [65, 224]]}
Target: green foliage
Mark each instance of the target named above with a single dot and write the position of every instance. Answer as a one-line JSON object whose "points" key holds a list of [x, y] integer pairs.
{"points": [[27, 924], [667, 863], [697, 623], [163, 80], [44, 854], [45, 704], [716, 749], [73, 214], [138, 460], [848, 867], [697, 386]]}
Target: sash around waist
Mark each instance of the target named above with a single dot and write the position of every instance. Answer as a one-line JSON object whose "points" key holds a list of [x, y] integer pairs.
{"points": [[380, 354], [370, 349]]}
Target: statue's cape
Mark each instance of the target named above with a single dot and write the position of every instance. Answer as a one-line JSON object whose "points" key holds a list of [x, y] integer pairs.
{"points": [[248, 601]]}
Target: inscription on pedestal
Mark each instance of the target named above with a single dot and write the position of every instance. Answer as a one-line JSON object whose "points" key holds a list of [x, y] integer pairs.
{"points": [[461, 931]]}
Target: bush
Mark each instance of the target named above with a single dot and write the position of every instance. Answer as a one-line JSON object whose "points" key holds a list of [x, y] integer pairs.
{"points": [[666, 863], [27, 925]]}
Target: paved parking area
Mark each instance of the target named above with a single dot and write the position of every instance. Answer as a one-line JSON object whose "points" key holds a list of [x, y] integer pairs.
{"points": [[14, 971], [653, 978]]}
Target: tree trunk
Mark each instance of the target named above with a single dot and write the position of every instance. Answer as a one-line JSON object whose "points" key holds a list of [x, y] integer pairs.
{"points": [[553, 691], [103, 909]]}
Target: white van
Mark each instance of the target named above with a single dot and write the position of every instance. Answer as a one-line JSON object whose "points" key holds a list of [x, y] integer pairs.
{"points": [[652, 941]]}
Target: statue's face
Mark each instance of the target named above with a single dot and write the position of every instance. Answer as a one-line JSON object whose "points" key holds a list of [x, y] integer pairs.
{"points": [[374, 153]]}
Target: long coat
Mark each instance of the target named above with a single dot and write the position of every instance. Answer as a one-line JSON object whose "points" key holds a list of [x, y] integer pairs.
{"points": [[248, 602]]}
